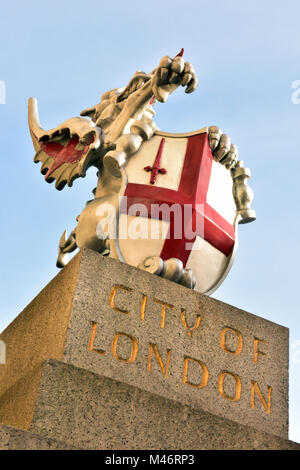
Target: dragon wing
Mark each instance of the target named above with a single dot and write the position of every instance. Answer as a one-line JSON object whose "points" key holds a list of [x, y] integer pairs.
{"points": [[67, 151]]}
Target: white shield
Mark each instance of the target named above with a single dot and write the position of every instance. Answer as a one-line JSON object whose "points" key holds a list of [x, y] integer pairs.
{"points": [[178, 203]]}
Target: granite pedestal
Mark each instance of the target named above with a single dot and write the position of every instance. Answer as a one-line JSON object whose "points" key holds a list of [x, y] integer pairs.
{"points": [[110, 357]]}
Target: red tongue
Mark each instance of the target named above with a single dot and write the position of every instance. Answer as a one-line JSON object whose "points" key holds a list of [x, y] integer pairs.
{"points": [[180, 54]]}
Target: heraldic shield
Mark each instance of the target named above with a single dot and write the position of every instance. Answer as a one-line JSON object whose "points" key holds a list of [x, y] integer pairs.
{"points": [[178, 207]]}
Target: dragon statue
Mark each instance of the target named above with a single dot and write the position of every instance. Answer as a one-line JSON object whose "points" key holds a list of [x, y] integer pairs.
{"points": [[111, 135]]}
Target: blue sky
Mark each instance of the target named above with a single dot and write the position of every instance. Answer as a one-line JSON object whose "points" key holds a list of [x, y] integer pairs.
{"points": [[67, 53]]}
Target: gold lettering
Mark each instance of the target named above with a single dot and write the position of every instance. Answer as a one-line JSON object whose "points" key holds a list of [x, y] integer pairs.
{"points": [[163, 368], [256, 350], [185, 380], [92, 340], [143, 307], [184, 322], [163, 311], [133, 352], [238, 386], [255, 389], [113, 295], [223, 340]]}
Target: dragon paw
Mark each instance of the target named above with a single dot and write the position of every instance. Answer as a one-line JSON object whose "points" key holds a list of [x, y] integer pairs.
{"points": [[170, 74], [171, 269], [222, 149]]}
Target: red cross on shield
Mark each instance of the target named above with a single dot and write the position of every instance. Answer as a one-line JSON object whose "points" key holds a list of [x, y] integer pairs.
{"points": [[198, 226]]}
